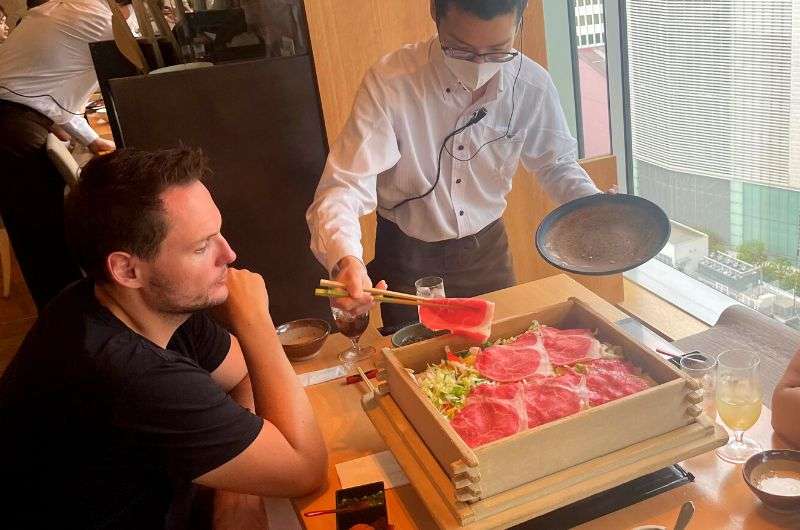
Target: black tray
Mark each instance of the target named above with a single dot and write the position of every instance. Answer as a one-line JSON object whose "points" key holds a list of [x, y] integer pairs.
{"points": [[611, 500], [374, 516]]}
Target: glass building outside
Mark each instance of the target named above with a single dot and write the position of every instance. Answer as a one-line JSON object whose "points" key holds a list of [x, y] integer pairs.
{"points": [[714, 97]]}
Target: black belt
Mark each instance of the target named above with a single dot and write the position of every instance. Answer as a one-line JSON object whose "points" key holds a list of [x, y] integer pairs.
{"points": [[12, 107], [473, 241]]}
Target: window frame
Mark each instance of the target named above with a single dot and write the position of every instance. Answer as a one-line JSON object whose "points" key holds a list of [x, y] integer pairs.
{"points": [[619, 91]]}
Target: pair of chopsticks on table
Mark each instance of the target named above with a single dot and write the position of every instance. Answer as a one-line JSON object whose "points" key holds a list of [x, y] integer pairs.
{"points": [[332, 289]]}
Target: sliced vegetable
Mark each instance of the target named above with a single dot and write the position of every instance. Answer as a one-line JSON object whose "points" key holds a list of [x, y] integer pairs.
{"points": [[454, 358], [448, 383]]}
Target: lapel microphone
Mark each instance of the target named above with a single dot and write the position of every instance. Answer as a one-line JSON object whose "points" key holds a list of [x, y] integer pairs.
{"points": [[477, 116]]}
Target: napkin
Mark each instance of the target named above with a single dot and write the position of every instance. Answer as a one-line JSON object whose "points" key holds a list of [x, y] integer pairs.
{"points": [[372, 468], [321, 376]]}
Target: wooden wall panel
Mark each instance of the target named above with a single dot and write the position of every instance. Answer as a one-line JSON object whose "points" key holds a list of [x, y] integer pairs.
{"points": [[348, 37]]}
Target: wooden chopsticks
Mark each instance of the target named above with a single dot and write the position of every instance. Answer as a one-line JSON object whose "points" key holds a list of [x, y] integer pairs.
{"points": [[341, 293], [381, 292], [333, 289]]}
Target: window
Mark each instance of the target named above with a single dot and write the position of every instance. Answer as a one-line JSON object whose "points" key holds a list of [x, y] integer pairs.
{"points": [[595, 135], [711, 140], [576, 60]]}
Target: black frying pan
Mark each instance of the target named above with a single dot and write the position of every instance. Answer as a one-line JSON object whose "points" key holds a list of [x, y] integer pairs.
{"points": [[602, 234]]}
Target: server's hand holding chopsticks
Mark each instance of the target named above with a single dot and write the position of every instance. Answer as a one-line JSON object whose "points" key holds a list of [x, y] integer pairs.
{"points": [[352, 273], [333, 289]]}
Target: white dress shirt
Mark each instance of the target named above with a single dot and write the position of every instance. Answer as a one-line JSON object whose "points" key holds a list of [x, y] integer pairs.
{"points": [[48, 53], [407, 104]]}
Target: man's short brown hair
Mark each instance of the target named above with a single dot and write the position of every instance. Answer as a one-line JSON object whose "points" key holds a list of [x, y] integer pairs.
{"points": [[117, 205]]}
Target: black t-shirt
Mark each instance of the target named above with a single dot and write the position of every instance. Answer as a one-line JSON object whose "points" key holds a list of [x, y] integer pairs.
{"points": [[99, 427]]}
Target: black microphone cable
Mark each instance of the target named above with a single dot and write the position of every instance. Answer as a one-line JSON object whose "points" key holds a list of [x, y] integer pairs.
{"points": [[476, 117], [42, 96], [513, 106]]}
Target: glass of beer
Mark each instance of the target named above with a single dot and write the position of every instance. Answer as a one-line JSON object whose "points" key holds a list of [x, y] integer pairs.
{"points": [[352, 325], [738, 400]]}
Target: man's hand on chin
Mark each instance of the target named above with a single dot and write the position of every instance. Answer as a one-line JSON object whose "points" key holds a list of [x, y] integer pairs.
{"points": [[247, 303]]}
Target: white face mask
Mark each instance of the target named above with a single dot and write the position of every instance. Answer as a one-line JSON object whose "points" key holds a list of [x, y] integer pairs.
{"points": [[472, 75]]}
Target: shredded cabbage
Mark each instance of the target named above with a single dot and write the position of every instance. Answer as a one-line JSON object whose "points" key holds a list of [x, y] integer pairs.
{"points": [[533, 328], [447, 385], [610, 351]]}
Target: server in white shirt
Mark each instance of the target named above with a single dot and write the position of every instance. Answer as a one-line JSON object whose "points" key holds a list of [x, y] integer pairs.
{"points": [[46, 78], [435, 136]]}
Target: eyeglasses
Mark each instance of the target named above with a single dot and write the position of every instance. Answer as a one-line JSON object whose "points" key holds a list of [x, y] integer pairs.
{"points": [[466, 55]]}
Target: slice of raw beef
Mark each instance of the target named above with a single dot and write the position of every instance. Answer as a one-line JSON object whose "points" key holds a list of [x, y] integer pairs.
{"points": [[552, 398], [568, 346], [492, 412], [524, 358], [468, 317], [610, 379]]}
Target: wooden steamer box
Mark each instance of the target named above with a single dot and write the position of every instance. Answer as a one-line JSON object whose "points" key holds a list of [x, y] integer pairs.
{"points": [[538, 470]]}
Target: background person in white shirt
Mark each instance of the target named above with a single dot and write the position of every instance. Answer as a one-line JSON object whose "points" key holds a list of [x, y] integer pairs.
{"points": [[46, 79], [440, 203]]}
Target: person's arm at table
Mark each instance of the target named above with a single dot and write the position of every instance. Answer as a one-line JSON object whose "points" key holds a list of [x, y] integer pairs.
{"points": [[786, 403], [288, 457], [237, 510], [366, 147]]}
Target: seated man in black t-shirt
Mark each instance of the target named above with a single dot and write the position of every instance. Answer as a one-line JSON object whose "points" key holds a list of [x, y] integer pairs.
{"points": [[125, 392]]}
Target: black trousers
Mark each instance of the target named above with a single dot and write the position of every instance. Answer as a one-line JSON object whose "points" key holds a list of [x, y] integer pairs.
{"points": [[32, 203], [469, 266]]}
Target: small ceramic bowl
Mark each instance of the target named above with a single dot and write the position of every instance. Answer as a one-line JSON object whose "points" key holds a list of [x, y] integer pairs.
{"points": [[303, 339], [413, 333], [774, 477]]}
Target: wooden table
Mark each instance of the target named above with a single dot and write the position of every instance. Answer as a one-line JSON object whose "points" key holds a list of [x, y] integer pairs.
{"points": [[99, 122], [722, 500]]}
